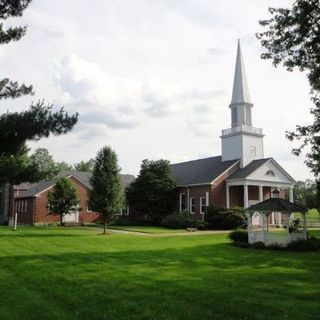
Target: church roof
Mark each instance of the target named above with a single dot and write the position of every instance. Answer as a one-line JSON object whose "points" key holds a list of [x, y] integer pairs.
{"points": [[82, 176], [248, 169], [240, 93], [201, 171]]}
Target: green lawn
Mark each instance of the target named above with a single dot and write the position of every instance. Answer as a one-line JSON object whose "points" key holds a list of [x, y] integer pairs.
{"points": [[73, 273], [147, 229]]}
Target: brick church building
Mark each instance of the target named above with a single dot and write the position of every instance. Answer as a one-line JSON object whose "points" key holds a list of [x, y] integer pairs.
{"points": [[240, 176]]}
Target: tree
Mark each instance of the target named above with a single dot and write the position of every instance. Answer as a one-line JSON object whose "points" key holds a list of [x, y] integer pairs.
{"points": [[86, 166], [152, 193], [305, 193], [293, 39], [106, 195], [63, 199], [33, 124], [44, 163], [63, 166]]}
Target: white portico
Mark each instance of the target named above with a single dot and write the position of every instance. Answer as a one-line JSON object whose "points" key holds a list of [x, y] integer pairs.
{"points": [[257, 176]]}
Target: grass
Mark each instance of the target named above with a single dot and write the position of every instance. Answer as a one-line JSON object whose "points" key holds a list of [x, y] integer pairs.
{"points": [[148, 229], [312, 215], [76, 273]]}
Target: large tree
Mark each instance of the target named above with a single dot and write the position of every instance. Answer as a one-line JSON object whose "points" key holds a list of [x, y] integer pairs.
{"points": [[152, 193], [292, 38], [39, 121], [84, 165], [63, 199], [45, 164], [106, 195]]}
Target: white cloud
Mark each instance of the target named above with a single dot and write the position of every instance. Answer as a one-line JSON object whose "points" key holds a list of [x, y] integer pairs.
{"points": [[153, 77]]}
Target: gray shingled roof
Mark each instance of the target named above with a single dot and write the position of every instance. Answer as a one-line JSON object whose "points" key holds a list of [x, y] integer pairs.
{"points": [[248, 169], [276, 205], [201, 171], [84, 177]]}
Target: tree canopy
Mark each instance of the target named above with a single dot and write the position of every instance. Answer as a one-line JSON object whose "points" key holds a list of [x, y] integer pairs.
{"points": [[84, 166], [63, 199], [37, 122], [106, 195], [292, 38], [152, 193]]}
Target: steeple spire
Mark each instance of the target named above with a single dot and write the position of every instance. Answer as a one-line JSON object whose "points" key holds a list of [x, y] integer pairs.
{"points": [[240, 93]]}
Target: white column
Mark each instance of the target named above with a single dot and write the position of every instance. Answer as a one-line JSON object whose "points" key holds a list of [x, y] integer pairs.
{"points": [[245, 196], [227, 196], [291, 194], [207, 199], [260, 193], [272, 218]]}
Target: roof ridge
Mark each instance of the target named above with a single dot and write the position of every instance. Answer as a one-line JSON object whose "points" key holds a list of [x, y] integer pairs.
{"points": [[172, 164]]}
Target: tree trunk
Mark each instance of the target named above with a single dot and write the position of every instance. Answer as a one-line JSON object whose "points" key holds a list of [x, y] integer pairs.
{"points": [[61, 216]]}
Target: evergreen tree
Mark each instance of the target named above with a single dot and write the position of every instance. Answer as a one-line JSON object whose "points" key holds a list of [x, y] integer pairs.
{"points": [[63, 199], [292, 37], [33, 124], [152, 193], [106, 195]]}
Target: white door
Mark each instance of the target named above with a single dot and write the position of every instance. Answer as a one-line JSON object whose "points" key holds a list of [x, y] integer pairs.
{"points": [[72, 217]]}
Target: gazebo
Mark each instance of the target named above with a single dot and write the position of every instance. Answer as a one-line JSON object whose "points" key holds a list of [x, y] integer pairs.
{"points": [[264, 209]]}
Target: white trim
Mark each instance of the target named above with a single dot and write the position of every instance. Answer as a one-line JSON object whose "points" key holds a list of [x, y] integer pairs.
{"points": [[221, 174], [50, 187], [284, 172]]}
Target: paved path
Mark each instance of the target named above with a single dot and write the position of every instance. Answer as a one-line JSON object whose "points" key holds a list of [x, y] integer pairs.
{"points": [[170, 234]]}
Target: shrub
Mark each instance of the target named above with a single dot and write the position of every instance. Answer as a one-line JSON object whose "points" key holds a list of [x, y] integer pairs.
{"points": [[258, 245], [225, 219], [239, 236], [311, 244], [179, 220]]}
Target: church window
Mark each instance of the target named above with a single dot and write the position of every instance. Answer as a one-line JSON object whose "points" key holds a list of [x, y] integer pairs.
{"points": [[202, 205], [182, 202], [253, 151], [192, 205], [270, 173]]}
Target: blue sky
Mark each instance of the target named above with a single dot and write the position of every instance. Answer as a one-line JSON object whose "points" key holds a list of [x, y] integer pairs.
{"points": [[153, 78]]}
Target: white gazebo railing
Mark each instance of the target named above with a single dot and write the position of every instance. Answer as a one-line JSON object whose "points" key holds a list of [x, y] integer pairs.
{"points": [[280, 238]]}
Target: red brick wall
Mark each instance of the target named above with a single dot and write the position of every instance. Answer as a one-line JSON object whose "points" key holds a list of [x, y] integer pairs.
{"points": [[41, 211], [37, 211], [219, 188]]}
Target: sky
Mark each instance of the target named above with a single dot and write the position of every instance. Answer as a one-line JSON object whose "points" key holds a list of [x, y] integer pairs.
{"points": [[153, 78]]}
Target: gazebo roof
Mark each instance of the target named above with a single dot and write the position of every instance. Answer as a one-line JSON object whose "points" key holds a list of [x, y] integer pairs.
{"points": [[276, 205]]}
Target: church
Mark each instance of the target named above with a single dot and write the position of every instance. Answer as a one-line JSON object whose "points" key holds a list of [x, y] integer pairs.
{"points": [[240, 176]]}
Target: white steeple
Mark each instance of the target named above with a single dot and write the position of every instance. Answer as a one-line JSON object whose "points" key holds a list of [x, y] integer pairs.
{"points": [[240, 93], [241, 141]]}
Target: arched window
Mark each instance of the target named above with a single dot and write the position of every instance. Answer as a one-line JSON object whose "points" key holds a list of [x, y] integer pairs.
{"points": [[270, 173]]}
